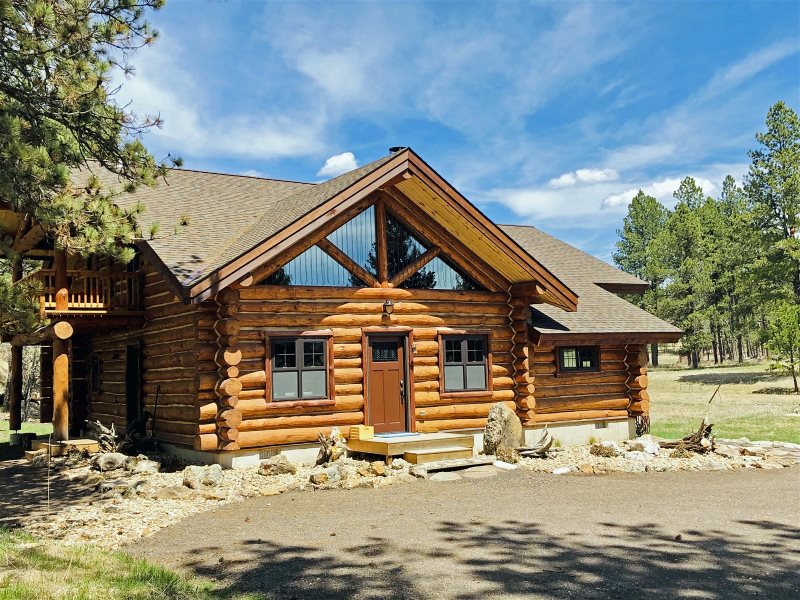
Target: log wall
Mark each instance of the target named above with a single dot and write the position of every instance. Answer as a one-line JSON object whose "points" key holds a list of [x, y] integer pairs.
{"points": [[345, 313], [617, 390], [169, 363]]}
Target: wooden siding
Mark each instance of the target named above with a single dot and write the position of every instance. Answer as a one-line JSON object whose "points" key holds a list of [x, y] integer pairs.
{"points": [[616, 390], [346, 313], [169, 365]]}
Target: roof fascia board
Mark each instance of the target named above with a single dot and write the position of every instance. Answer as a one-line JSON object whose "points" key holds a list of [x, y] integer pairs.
{"points": [[296, 231], [431, 178], [638, 337]]}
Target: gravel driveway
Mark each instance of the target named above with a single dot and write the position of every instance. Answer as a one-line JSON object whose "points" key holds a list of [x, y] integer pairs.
{"points": [[516, 535]]}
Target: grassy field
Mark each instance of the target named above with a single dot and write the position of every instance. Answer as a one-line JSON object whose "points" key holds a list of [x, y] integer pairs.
{"points": [[751, 402], [38, 570], [37, 428]]}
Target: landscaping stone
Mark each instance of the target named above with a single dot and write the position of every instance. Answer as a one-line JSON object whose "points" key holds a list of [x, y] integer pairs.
{"points": [[501, 464], [445, 476], [378, 467], [503, 430], [561, 470], [606, 449], [399, 464], [318, 478], [277, 465], [110, 461], [197, 477], [636, 455], [145, 467]]}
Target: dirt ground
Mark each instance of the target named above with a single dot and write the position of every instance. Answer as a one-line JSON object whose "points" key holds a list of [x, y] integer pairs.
{"points": [[516, 535]]}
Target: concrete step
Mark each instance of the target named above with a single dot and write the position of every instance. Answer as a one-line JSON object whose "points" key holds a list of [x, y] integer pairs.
{"points": [[418, 457]]}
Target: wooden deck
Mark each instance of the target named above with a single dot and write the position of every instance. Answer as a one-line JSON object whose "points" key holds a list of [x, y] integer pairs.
{"points": [[423, 447]]}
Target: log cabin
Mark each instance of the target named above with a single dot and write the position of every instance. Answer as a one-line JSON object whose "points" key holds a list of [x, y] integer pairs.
{"points": [[381, 297]]}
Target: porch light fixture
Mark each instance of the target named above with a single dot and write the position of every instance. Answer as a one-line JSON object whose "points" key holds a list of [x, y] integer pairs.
{"points": [[388, 307]]}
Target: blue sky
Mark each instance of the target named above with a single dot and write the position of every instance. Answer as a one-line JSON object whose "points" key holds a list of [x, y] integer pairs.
{"points": [[551, 114]]}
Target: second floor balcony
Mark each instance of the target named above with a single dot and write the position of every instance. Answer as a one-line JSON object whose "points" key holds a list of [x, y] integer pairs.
{"points": [[90, 292]]}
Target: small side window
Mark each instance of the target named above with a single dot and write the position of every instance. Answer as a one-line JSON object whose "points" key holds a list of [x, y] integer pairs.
{"points": [[579, 358]]}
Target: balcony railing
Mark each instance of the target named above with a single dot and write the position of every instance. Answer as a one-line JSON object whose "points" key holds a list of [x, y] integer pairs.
{"points": [[91, 291]]}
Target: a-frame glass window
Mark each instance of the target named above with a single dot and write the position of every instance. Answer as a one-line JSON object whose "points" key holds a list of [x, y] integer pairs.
{"points": [[314, 268], [348, 257], [356, 239]]}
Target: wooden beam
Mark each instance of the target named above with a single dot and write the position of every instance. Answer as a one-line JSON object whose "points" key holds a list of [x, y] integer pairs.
{"points": [[348, 263], [15, 387], [527, 289], [60, 390], [62, 291], [381, 242], [415, 266], [58, 331]]}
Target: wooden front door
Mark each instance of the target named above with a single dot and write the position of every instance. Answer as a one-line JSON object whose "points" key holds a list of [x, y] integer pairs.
{"points": [[386, 384]]}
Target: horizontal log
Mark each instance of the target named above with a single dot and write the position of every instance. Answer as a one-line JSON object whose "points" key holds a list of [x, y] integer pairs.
{"points": [[206, 412], [259, 407], [57, 331], [457, 411], [449, 425], [558, 405], [347, 363], [433, 398], [301, 421], [228, 435], [346, 350], [168, 347], [366, 308], [426, 373], [424, 348], [342, 376], [206, 442], [588, 389], [172, 360], [178, 386], [168, 374], [262, 292], [227, 327], [251, 320], [639, 382], [279, 437], [586, 377], [228, 296]]}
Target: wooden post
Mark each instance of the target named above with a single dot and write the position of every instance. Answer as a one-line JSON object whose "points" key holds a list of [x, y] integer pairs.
{"points": [[15, 389], [62, 333], [62, 292], [380, 243]]}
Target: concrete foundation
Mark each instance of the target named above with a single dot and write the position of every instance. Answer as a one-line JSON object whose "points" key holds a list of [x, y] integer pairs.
{"points": [[567, 433]]}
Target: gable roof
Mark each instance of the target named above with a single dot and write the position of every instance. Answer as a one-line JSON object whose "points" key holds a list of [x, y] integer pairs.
{"points": [[601, 313], [238, 223]]}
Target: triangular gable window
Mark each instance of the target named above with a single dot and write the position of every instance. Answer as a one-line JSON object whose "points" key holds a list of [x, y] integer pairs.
{"points": [[312, 268], [356, 239], [349, 257]]}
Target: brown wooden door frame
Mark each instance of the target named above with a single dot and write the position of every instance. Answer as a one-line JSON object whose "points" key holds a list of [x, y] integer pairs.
{"points": [[404, 394]]}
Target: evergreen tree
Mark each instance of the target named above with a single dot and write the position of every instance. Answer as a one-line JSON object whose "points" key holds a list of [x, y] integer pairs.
{"points": [[784, 339], [646, 218], [773, 189], [58, 114]]}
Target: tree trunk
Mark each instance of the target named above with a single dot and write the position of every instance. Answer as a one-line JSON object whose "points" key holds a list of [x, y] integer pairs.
{"points": [[714, 344], [794, 369], [739, 348], [695, 359], [654, 354]]}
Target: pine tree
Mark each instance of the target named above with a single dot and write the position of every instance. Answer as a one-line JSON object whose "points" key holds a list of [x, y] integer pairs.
{"points": [[58, 115], [773, 189]]}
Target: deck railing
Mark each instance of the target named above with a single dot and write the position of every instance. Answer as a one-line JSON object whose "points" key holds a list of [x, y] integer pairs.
{"points": [[93, 290]]}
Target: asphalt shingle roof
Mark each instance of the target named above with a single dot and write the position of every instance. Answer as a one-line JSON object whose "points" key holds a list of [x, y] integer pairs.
{"points": [[599, 311]]}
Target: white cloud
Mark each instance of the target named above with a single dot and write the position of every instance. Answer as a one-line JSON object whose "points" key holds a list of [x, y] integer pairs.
{"points": [[193, 125], [661, 190], [252, 173], [338, 164], [584, 176], [751, 65]]}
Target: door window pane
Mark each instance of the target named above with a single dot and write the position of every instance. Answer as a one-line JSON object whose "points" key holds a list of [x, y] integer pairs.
{"points": [[384, 351], [284, 384]]}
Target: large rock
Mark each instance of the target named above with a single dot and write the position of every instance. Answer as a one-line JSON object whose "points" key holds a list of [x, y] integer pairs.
{"points": [[110, 461], [196, 477], [503, 430], [277, 465]]}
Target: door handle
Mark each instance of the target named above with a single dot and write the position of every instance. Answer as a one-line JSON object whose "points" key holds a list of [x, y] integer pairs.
{"points": [[402, 391]]}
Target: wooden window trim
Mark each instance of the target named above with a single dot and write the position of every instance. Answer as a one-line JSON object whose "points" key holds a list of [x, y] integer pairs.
{"points": [[327, 336], [577, 371], [487, 334]]}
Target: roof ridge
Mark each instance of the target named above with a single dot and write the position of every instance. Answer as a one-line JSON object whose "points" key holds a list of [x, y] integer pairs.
{"points": [[243, 232], [182, 169]]}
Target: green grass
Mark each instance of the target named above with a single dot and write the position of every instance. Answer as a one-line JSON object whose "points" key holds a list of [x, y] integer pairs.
{"points": [[27, 427], [35, 570], [751, 402]]}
